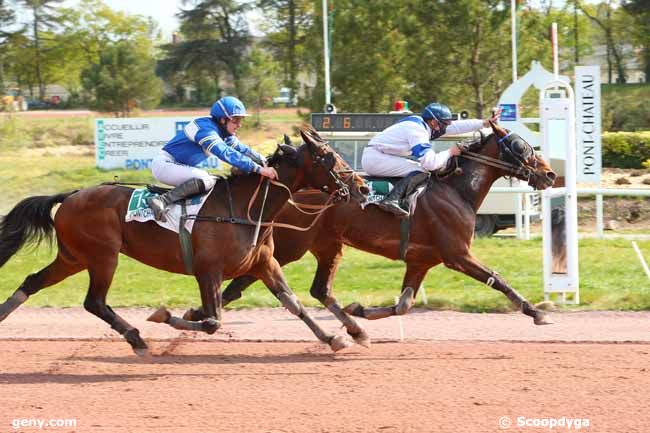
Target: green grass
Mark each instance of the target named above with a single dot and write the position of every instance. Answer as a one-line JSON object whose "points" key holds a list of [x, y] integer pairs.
{"points": [[611, 278]]}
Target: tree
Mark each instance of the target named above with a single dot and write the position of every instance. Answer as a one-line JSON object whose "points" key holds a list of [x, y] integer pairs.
{"points": [[7, 18], [286, 31], [215, 36], [260, 82], [44, 19], [639, 10], [604, 17], [124, 79], [89, 29]]}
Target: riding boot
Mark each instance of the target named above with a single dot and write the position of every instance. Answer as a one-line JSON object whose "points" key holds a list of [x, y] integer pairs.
{"points": [[393, 202], [159, 203]]}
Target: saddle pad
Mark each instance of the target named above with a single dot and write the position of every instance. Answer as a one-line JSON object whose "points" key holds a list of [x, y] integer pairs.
{"points": [[139, 210], [381, 187]]}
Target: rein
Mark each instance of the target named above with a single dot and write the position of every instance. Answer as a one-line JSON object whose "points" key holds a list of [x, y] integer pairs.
{"points": [[512, 169], [319, 209]]}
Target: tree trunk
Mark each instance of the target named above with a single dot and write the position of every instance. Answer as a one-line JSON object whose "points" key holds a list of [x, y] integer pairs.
{"points": [[37, 46], [474, 66], [292, 49]]}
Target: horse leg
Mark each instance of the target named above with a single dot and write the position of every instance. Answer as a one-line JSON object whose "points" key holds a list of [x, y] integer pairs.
{"points": [[274, 280], [230, 294], [53, 273], [321, 289], [101, 276], [470, 266], [207, 318], [413, 277]]}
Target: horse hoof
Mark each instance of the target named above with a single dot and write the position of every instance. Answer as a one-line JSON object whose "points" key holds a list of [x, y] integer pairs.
{"points": [[546, 306], [362, 339], [210, 325], [339, 342], [543, 319], [161, 315], [193, 315], [354, 309], [142, 352]]}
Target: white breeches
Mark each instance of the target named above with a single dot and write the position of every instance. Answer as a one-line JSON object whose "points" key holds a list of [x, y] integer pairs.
{"points": [[165, 169], [376, 163]]}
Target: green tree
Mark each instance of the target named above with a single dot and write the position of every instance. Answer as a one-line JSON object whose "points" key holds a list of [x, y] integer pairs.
{"points": [[260, 80], [124, 79], [639, 10], [44, 18], [7, 18], [286, 25], [612, 22], [89, 29], [215, 37]]}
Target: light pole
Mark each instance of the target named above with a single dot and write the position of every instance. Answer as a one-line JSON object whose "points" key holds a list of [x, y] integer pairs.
{"points": [[328, 91], [513, 26]]}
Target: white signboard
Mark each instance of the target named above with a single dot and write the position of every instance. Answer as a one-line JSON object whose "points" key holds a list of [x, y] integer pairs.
{"points": [[133, 142], [588, 129]]}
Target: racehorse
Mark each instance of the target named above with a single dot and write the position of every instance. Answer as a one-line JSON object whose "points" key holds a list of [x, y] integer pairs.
{"points": [[441, 230], [91, 232]]}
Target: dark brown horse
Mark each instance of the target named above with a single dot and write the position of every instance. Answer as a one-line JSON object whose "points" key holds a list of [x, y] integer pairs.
{"points": [[441, 231], [91, 232]]}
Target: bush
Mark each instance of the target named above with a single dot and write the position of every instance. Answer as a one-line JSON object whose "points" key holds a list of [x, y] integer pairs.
{"points": [[626, 149]]}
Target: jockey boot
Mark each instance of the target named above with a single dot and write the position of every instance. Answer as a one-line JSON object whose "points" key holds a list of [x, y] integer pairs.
{"points": [[394, 202], [158, 204]]}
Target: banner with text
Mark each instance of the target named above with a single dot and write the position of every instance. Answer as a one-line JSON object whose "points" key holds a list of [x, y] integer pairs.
{"points": [[133, 142], [588, 128]]}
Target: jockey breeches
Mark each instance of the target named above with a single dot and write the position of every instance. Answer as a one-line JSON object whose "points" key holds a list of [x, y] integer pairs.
{"points": [[165, 169], [376, 163]]}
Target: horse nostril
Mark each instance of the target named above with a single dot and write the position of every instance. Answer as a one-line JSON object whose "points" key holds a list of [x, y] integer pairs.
{"points": [[364, 190], [551, 175]]}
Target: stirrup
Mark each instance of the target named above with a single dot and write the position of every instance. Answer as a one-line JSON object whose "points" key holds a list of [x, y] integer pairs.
{"points": [[392, 207], [158, 211]]}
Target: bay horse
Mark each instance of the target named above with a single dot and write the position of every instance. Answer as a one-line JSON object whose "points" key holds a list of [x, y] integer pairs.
{"points": [[91, 231], [441, 231]]}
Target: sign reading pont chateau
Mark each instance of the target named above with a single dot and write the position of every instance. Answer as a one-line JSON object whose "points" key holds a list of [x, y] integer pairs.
{"points": [[132, 143], [588, 128]]}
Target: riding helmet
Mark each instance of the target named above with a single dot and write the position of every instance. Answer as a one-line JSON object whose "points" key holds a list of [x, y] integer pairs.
{"points": [[228, 107]]}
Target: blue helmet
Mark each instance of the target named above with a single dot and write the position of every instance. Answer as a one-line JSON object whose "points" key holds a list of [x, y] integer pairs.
{"points": [[437, 111], [228, 107]]}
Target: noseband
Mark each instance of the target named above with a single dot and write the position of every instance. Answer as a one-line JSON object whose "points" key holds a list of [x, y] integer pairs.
{"points": [[519, 168], [328, 162]]}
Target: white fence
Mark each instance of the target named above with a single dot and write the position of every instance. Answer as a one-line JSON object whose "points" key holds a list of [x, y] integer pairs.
{"points": [[523, 211]]}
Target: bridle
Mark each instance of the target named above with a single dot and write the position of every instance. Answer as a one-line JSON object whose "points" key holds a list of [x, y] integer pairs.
{"points": [[520, 167], [328, 162]]}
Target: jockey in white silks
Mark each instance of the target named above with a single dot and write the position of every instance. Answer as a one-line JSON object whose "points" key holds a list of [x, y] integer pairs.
{"points": [[404, 150], [176, 164]]}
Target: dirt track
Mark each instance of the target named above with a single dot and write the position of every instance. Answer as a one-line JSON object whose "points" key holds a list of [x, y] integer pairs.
{"points": [[440, 379]]}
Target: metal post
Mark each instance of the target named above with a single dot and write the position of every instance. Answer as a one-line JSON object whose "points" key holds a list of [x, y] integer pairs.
{"points": [[600, 226], [518, 215], [556, 62], [328, 95]]}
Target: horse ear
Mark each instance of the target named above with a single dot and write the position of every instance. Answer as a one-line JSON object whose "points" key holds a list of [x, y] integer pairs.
{"points": [[313, 140], [287, 140], [285, 149], [498, 131]]}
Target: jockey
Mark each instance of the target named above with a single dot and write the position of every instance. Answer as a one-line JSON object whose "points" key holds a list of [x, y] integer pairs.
{"points": [[215, 135], [404, 149]]}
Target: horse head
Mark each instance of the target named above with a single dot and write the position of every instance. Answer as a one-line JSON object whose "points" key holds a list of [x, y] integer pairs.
{"points": [[510, 153], [317, 165]]}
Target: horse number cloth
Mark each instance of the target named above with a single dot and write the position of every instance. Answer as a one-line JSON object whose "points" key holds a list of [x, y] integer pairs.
{"points": [[139, 210]]}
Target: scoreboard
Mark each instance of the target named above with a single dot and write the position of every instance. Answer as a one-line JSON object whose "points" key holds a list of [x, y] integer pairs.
{"points": [[354, 122]]}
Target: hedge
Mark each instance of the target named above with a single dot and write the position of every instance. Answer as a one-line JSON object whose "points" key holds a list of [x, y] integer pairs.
{"points": [[626, 149]]}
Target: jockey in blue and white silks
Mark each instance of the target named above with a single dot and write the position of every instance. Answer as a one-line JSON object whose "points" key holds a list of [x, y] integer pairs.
{"points": [[215, 135], [404, 149]]}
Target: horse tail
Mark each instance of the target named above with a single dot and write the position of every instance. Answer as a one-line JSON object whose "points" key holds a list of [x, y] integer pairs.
{"points": [[28, 222]]}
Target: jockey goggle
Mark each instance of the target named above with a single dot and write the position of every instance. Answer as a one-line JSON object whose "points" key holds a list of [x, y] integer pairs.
{"points": [[442, 123]]}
